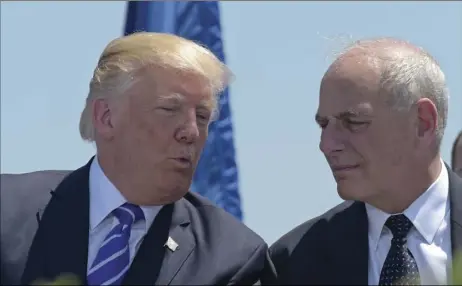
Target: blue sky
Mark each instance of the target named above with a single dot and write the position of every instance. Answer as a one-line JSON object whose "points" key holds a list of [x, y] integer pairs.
{"points": [[278, 51]]}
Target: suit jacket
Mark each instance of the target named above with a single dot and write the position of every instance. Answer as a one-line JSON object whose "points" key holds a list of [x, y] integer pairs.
{"points": [[213, 247], [334, 248]]}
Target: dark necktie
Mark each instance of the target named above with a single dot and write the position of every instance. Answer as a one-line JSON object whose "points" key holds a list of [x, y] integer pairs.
{"points": [[113, 259], [400, 267]]}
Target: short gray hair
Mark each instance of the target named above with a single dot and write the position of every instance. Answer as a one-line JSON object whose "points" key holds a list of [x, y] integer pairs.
{"points": [[408, 73], [124, 56]]}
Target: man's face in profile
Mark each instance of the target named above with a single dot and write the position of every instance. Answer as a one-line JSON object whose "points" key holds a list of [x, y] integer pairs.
{"points": [[363, 139], [457, 164]]}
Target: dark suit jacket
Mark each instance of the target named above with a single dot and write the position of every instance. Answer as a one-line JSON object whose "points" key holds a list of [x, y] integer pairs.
{"points": [[214, 248], [334, 248]]}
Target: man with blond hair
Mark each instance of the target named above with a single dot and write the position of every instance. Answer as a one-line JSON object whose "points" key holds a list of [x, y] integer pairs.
{"points": [[382, 112], [127, 216]]}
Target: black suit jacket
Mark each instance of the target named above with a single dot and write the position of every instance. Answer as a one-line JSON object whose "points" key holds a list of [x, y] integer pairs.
{"points": [[214, 248], [334, 248]]}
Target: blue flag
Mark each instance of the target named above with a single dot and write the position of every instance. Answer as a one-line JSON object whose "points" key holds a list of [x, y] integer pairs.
{"points": [[216, 175]]}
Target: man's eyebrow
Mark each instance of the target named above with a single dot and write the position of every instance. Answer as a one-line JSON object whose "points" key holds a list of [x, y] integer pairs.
{"points": [[344, 114], [177, 98], [349, 113], [171, 97], [207, 104]]}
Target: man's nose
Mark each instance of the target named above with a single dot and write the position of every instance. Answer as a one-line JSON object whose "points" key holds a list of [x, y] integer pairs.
{"points": [[331, 140], [189, 131]]}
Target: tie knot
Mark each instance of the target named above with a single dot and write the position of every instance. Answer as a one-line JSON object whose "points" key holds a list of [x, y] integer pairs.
{"points": [[399, 225], [129, 213]]}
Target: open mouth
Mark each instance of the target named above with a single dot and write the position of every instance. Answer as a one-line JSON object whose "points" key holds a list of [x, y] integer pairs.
{"points": [[182, 161]]}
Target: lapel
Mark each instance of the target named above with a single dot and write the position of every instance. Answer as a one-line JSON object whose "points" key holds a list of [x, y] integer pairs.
{"points": [[65, 222], [181, 233], [158, 262], [350, 246], [148, 260], [455, 194]]}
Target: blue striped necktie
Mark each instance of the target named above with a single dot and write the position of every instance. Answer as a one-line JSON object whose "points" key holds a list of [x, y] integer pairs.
{"points": [[113, 259]]}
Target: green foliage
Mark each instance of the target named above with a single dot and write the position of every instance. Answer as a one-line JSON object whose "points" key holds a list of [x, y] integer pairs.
{"points": [[457, 269]]}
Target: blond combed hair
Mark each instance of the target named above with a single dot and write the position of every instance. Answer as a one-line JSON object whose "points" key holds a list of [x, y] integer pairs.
{"points": [[124, 56]]}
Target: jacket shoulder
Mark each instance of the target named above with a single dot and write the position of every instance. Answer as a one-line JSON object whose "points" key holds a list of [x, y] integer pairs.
{"points": [[22, 197], [28, 190], [308, 234], [242, 254], [31, 180], [220, 222]]}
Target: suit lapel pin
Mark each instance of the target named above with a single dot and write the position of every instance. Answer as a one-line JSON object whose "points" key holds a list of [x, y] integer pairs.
{"points": [[171, 244]]}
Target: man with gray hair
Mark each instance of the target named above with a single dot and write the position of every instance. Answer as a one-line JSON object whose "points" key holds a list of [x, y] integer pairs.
{"points": [[126, 217], [456, 155], [382, 113]]}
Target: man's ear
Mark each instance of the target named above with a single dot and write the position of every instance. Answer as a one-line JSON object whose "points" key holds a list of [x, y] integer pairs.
{"points": [[427, 119], [102, 118]]}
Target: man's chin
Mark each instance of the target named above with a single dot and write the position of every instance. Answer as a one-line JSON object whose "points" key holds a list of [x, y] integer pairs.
{"points": [[349, 191], [171, 195], [346, 196]]}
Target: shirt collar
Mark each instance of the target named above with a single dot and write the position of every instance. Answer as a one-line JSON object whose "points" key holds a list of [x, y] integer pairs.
{"points": [[105, 197], [426, 212]]}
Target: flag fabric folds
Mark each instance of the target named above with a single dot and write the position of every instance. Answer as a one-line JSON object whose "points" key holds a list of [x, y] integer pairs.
{"points": [[216, 175]]}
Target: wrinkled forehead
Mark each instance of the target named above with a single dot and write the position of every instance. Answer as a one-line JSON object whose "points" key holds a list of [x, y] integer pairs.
{"points": [[174, 86], [350, 84]]}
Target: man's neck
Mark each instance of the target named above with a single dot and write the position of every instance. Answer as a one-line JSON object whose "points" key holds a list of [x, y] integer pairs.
{"points": [[399, 200], [134, 189], [118, 177]]}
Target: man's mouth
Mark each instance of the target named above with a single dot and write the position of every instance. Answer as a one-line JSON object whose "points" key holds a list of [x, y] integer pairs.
{"points": [[344, 168], [183, 161]]}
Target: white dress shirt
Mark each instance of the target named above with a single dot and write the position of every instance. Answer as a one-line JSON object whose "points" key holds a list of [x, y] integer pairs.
{"points": [[429, 240], [104, 198]]}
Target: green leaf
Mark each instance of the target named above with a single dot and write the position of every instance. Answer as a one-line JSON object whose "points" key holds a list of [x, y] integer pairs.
{"points": [[457, 269]]}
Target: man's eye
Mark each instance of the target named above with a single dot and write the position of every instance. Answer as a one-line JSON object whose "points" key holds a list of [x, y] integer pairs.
{"points": [[165, 108], [355, 125], [204, 118], [322, 124]]}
